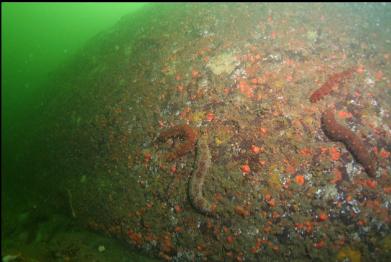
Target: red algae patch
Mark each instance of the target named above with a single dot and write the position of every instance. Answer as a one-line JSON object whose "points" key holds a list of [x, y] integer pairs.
{"points": [[210, 116], [299, 180], [323, 217], [343, 114], [255, 149], [245, 169], [384, 153], [334, 153]]}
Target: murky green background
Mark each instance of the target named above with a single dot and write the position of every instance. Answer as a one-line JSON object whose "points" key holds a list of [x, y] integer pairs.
{"points": [[36, 39]]}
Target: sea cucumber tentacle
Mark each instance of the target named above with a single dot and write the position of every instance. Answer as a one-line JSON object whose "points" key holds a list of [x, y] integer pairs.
{"points": [[332, 82], [353, 143], [184, 131], [202, 164]]}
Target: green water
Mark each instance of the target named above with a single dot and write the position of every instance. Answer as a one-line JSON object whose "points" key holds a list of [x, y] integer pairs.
{"points": [[37, 38]]}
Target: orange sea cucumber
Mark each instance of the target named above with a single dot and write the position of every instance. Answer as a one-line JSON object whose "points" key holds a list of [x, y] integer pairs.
{"points": [[332, 82], [353, 143]]}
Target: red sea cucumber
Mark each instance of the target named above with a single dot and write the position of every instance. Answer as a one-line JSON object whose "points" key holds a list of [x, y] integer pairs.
{"points": [[332, 82], [202, 164], [183, 131], [353, 143]]}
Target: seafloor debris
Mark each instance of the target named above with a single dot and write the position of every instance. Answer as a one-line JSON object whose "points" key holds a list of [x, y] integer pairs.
{"points": [[353, 143]]}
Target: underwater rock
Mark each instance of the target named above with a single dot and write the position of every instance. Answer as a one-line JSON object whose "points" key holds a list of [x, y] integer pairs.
{"points": [[348, 253], [224, 63], [330, 192]]}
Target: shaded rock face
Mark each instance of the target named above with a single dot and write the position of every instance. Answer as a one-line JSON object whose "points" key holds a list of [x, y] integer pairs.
{"points": [[226, 70]]}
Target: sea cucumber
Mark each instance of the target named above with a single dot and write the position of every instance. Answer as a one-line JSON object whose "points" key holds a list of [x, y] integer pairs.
{"points": [[332, 82], [183, 131], [353, 143], [202, 164]]}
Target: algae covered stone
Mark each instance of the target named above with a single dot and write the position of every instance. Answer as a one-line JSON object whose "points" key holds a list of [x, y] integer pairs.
{"points": [[223, 63], [349, 253]]}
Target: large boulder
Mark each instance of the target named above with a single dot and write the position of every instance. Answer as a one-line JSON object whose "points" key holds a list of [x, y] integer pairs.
{"points": [[241, 75]]}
